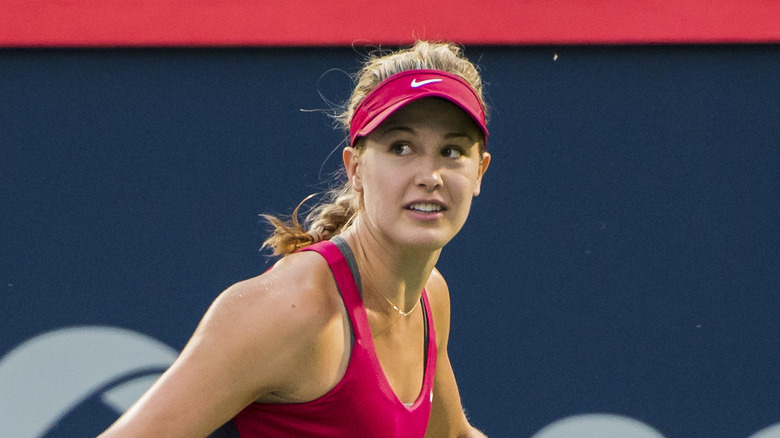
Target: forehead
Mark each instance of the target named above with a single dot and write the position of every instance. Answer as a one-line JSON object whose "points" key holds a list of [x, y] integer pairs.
{"points": [[432, 112]]}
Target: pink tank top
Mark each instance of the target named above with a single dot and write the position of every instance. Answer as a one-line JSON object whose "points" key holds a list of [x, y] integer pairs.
{"points": [[363, 403]]}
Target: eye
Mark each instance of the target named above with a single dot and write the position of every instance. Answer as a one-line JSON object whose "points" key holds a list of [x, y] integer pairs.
{"points": [[399, 148], [452, 152]]}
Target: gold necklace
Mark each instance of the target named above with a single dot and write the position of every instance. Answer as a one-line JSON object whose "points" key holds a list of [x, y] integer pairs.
{"points": [[404, 314], [399, 310]]}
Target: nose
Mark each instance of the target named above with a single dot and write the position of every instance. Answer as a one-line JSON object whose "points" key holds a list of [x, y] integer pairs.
{"points": [[429, 175]]}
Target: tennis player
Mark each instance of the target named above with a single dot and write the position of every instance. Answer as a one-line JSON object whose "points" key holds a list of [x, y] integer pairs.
{"points": [[346, 336]]}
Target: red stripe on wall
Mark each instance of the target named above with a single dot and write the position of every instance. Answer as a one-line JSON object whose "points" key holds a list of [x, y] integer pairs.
{"points": [[26, 23]]}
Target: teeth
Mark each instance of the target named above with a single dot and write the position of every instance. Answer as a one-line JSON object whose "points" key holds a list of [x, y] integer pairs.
{"points": [[425, 207]]}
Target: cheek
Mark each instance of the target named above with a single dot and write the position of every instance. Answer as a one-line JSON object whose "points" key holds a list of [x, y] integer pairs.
{"points": [[377, 188], [476, 179], [466, 181]]}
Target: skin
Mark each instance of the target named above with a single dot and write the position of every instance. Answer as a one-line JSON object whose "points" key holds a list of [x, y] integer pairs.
{"points": [[284, 336]]}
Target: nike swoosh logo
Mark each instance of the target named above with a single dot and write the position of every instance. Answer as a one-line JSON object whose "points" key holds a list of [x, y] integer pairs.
{"points": [[416, 84]]}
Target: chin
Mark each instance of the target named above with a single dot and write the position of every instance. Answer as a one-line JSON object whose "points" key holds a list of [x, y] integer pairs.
{"points": [[427, 241]]}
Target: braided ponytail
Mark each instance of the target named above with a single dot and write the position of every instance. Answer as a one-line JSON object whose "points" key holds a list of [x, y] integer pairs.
{"points": [[336, 212]]}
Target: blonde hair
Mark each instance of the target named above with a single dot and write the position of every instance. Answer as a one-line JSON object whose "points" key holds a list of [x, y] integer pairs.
{"points": [[340, 205]]}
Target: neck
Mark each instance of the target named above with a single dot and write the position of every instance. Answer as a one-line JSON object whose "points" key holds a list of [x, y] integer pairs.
{"points": [[389, 272]]}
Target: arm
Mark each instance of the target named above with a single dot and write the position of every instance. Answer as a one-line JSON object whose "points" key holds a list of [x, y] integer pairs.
{"points": [[250, 343], [447, 416]]}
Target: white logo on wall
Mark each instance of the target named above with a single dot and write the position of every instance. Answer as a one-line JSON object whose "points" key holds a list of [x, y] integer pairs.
{"points": [[769, 432], [616, 426], [598, 425], [49, 375]]}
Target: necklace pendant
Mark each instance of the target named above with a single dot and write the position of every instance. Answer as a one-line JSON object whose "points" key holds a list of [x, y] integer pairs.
{"points": [[404, 314]]}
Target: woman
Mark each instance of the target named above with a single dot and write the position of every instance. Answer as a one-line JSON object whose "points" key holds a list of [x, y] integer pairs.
{"points": [[347, 334]]}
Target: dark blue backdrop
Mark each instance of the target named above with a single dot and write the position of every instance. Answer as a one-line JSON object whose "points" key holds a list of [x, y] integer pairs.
{"points": [[623, 258]]}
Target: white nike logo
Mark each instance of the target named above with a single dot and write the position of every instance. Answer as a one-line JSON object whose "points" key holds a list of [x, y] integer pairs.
{"points": [[416, 84]]}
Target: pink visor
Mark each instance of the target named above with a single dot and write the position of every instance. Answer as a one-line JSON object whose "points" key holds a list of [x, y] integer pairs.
{"points": [[406, 87]]}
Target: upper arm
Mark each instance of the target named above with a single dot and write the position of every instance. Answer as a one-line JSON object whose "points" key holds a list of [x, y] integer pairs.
{"points": [[447, 417], [242, 348]]}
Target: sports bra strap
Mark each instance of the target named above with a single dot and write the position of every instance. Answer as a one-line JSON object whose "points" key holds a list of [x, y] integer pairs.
{"points": [[346, 251], [342, 274]]}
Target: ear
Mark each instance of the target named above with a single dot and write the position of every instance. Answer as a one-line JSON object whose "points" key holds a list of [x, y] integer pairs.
{"points": [[483, 167], [350, 157]]}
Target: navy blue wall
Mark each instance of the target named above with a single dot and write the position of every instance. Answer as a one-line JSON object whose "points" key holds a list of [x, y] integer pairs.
{"points": [[623, 258]]}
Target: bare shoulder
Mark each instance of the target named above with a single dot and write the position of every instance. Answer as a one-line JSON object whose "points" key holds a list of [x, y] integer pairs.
{"points": [[260, 337], [436, 285], [272, 321], [296, 289], [439, 297]]}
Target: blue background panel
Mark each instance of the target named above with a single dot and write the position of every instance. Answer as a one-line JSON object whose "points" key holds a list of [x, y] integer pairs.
{"points": [[624, 256]]}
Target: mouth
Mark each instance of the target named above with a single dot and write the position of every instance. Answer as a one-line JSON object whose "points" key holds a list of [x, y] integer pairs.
{"points": [[426, 207]]}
